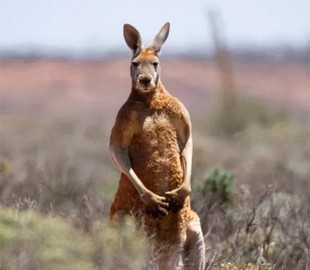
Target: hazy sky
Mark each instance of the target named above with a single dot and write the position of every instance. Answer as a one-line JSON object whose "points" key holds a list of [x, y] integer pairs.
{"points": [[97, 24]]}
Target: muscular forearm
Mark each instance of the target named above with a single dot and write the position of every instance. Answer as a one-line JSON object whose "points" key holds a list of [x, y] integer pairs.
{"points": [[121, 160], [154, 203], [177, 196], [186, 159]]}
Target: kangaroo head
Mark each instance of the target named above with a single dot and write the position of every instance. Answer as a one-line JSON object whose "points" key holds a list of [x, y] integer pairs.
{"points": [[145, 69]]}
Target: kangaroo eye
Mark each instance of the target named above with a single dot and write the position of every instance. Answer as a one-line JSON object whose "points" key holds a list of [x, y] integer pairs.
{"points": [[155, 64], [135, 64]]}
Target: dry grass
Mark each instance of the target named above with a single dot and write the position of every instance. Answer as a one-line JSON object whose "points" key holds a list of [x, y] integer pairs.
{"points": [[30, 241], [57, 180], [61, 167], [268, 216]]}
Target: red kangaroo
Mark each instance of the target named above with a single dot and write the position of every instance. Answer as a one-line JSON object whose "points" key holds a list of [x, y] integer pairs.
{"points": [[151, 144]]}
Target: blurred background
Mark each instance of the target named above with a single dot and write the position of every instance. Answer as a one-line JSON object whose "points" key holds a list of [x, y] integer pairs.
{"points": [[242, 68]]}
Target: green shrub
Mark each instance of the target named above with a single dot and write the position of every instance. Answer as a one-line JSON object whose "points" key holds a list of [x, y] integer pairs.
{"points": [[29, 241], [218, 181]]}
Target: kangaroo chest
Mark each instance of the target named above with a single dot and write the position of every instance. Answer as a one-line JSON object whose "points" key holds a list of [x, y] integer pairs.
{"points": [[155, 153], [157, 133]]}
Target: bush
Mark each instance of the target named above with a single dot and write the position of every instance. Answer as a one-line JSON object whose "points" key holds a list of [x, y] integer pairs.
{"points": [[271, 229], [243, 266], [29, 241], [219, 182]]}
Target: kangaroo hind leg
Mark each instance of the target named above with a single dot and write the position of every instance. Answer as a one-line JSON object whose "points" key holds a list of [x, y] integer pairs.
{"points": [[194, 247]]}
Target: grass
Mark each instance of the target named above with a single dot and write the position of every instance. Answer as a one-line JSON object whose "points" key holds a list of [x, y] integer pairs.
{"points": [[29, 240], [57, 183]]}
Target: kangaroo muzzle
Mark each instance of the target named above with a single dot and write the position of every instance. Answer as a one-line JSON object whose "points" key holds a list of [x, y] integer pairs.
{"points": [[145, 82]]}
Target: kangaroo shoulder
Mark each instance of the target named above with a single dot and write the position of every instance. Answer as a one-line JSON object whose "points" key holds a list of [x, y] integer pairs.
{"points": [[125, 126], [176, 108], [128, 112]]}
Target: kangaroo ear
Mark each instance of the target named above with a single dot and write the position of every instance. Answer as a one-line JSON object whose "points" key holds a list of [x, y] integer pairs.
{"points": [[132, 38], [160, 38]]}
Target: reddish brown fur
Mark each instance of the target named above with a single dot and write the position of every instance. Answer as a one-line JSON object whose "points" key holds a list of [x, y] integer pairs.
{"points": [[153, 126], [151, 143]]}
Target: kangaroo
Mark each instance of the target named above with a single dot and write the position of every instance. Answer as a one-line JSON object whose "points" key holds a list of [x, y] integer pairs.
{"points": [[151, 144]]}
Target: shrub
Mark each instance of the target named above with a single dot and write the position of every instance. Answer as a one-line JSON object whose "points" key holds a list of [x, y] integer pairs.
{"points": [[242, 266], [29, 241], [218, 181]]}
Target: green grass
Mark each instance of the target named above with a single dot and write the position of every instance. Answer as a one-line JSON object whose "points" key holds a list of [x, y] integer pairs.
{"points": [[29, 240]]}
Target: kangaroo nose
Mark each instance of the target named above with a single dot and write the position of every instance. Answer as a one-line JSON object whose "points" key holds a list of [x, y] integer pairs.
{"points": [[145, 80]]}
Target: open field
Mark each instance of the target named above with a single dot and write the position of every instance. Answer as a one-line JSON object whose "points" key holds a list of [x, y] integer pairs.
{"points": [[68, 86], [56, 175]]}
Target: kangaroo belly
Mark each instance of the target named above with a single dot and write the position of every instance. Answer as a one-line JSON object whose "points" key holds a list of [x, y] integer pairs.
{"points": [[155, 155]]}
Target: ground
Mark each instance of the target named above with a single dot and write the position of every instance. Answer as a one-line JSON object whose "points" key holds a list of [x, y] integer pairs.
{"points": [[56, 118]]}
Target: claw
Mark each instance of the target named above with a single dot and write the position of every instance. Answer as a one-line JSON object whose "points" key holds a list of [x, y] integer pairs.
{"points": [[164, 204], [163, 211]]}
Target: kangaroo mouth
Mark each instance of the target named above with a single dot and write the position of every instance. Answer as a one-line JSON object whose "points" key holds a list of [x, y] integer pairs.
{"points": [[145, 88]]}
